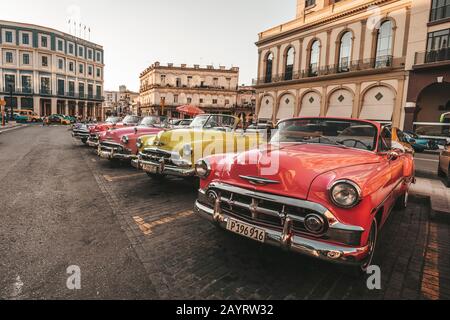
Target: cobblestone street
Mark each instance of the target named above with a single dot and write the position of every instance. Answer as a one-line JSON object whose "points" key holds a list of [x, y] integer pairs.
{"points": [[144, 233]]}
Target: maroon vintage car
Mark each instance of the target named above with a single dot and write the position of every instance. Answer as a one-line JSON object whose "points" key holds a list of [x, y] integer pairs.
{"points": [[121, 144], [322, 187], [110, 124]]}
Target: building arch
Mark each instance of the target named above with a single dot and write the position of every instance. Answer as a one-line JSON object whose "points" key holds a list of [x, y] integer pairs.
{"points": [[266, 107], [310, 103], [289, 57], [313, 56], [378, 102], [268, 66], [344, 66], [383, 59], [286, 105], [340, 102]]}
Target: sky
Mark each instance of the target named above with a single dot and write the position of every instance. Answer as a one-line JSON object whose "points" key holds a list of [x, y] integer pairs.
{"points": [[136, 33]]}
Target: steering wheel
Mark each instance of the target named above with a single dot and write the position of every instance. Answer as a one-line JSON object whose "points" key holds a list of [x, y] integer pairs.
{"points": [[356, 143]]}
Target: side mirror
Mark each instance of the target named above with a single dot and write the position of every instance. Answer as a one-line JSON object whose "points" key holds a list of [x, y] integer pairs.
{"points": [[393, 155]]}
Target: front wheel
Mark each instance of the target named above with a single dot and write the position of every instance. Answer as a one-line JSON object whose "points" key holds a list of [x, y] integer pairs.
{"points": [[361, 269], [84, 141]]}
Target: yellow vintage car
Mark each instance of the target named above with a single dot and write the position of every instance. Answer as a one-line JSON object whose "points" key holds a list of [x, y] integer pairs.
{"points": [[175, 152]]}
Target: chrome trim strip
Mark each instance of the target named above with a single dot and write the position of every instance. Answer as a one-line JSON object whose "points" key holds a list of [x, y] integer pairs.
{"points": [[259, 181]]}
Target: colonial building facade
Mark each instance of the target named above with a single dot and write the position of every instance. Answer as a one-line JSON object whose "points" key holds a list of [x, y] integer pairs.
{"points": [[337, 58], [49, 71], [429, 62], [164, 88]]}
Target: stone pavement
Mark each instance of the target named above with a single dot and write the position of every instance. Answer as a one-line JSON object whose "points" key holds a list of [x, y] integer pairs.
{"points": [[187, 258], [438, 193]]}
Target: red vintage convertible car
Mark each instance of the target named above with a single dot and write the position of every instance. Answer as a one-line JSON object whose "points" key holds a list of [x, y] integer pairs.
{"points": [[121, 144], [323, 187], [113, 123]]}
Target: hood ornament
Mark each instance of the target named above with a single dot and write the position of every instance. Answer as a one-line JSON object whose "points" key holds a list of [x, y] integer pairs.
{"points": [[259, 181]]}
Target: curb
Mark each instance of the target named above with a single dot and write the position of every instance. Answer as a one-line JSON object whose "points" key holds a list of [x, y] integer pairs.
{"points": [[12, 128]]}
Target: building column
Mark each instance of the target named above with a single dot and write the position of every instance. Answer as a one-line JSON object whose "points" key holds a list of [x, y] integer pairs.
{"points": [[77, 108], [19, 102], [410, 114], [54, 106], [85, 110], [276, 106], [356, 101], [66, 107], [323, 102], [37, 105], [398, 104]]}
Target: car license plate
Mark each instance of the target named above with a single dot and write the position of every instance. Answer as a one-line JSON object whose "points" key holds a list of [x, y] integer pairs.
{"points": [[246, 230], [150, 168]]}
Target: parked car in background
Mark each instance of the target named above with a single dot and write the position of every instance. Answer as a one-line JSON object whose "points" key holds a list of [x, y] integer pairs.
{"points": [[58, 119], [30, 114], [109, 123], [444, 165], [121, 144], [324, 193], [81, 131], [20, 118], [175, 152], [421, 144]]}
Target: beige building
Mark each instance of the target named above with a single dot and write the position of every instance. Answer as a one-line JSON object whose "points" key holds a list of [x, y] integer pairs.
{"points": [[429, 63], [164, 88], [49, 71], [337, 58], [120, 102], [246, 101]]}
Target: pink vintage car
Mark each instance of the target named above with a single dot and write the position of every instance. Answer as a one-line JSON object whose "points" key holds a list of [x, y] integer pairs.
{"points": [[322, 187], [121, 144], [111, 123]]}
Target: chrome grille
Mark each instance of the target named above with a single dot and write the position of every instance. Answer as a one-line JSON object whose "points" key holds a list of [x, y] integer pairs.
{"points": [[264, 212], [108, 146], [157, 155]]}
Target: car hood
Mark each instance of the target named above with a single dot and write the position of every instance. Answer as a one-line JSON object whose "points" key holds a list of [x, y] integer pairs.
{"points": [[291, 168], [172, 138]]}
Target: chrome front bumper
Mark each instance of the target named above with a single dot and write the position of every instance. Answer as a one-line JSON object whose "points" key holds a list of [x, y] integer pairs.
{"points": [[287, 240], [160, 168], [92, 144], [114, 155], [80, 136]]}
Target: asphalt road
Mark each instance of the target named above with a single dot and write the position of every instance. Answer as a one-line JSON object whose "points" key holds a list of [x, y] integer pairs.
{"points": [[53, 215], [427, 164], [135, 238]]}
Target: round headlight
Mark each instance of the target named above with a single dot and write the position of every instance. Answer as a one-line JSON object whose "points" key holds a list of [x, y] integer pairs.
{"points": [[139, 143], [314, 224], [187, 150], [345, 194], [202, 169], [125, 139]]}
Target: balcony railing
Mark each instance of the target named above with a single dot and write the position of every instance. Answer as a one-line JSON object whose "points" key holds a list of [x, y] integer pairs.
{"points": [[433, 56], [16, 91], [385, 62]]}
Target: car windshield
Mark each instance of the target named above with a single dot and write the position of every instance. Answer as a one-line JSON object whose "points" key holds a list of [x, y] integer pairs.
{"points": [[152, 122], [213, 122], [112, 120], [131, 119], [344, 133]]}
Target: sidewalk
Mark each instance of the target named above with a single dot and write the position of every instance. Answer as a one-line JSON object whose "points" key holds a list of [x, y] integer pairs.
{"points": [[10, 126], [438, 193]]}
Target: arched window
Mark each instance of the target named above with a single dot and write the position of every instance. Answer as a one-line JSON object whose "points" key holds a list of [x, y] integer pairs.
{"points": [[345, 52], [384, 45], [314, 59], [269, 68], [289, 67]]}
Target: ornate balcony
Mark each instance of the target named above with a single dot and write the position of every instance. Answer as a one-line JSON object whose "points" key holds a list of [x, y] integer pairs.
{"points": [[432, 58], [314, 71]]}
